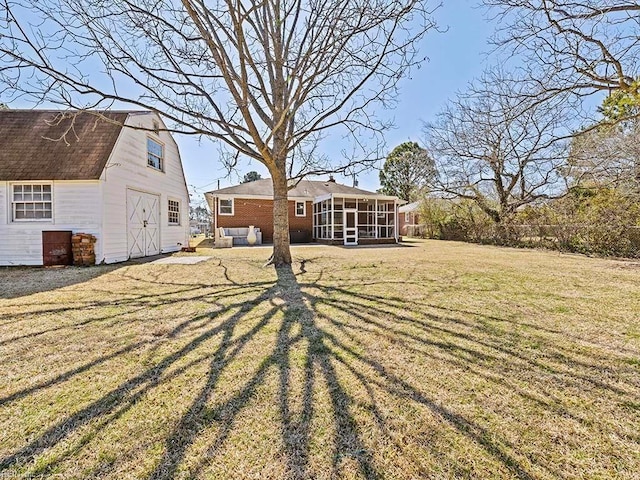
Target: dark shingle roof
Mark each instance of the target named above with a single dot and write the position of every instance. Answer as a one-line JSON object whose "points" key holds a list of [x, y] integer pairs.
{"points": [[32, 147], [306, 188]]}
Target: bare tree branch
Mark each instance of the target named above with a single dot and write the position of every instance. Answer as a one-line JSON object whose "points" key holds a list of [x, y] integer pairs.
{"points": [[500, 147], [581, 47]]}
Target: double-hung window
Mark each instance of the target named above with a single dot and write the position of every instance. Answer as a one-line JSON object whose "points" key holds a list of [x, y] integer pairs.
{"points": [[155, 154], [225, 206], [174, 212], [301, 209], [31, 202]]}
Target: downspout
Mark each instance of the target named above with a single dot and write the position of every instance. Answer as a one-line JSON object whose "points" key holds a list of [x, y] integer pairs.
{"points": [[215, 218]]}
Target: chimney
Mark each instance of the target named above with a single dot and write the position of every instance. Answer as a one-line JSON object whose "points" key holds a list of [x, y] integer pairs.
{"points": [[331, 179]]}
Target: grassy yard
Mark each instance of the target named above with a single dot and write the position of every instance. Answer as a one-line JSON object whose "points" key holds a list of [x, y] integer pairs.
{"points": [[431, 360]]}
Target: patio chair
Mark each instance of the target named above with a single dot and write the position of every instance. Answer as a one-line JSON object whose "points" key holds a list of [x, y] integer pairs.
{"points": [[222, 240]]}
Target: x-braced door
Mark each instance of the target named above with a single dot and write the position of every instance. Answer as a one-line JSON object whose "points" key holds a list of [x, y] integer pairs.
{"points": [[143, 219]]}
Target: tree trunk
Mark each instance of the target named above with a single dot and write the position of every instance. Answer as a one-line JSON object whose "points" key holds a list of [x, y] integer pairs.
{"points": [[281, 251]]}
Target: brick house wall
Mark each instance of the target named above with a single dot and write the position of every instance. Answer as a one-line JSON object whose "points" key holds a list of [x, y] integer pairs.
{"points": [[413, 220], [259, 213]]}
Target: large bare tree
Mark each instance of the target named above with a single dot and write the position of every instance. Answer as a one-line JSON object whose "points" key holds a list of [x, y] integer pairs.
{"points": [[267, 79], [499, 146], [578, 46]]}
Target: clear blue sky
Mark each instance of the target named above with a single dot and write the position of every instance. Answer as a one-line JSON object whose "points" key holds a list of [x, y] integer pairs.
{"points": [[455, 58]]}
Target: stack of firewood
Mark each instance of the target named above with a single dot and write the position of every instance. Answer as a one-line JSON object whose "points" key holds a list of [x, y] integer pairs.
{"points": [[83, 246]]}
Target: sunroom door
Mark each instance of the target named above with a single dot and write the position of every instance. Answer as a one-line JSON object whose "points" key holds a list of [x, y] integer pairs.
{"points": [[350, 227]]}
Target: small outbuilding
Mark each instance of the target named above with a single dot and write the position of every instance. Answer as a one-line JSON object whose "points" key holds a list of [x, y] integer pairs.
{"points": [[114, 175]]}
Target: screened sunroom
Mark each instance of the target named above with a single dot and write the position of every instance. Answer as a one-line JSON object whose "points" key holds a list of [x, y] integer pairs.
{"points": [[352, 220]]}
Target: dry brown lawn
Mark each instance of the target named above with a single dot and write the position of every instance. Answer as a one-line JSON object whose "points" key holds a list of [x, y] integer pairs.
{"points": [[430, 360]]}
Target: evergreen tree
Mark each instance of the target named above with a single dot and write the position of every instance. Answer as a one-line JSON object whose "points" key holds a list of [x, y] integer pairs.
{"points": [[406, 171]]}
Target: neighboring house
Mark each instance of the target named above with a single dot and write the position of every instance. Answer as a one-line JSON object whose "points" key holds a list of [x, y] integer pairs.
{"points": [[199, 227], [194, 227], [326, 212], [81, 173], [408, 216]]}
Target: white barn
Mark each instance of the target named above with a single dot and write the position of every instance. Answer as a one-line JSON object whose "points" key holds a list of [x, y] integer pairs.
{"points": [[86, 173]]}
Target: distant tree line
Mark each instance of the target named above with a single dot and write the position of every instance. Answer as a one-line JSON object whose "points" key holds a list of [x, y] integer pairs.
{"points": [[517, 160], [251, 176], [508, 173]]}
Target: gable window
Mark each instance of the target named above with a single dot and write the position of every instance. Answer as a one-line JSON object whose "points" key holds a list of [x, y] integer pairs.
{"points": [[155, 154], [301, 209], [31, 202], [225, 206], [174, 212]]}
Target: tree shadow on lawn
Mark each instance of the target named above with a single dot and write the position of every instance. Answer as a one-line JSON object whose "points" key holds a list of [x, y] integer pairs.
{"points": [[18, 282], [332, 325], [21, 281]]}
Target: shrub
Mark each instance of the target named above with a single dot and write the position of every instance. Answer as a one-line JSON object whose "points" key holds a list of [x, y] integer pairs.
{"points": [[601, 221]]}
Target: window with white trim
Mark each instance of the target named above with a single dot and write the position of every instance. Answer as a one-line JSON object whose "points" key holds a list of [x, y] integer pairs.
{"points": [[155, 154], [406, 217], [301, 209], [31, 202], [174, 212], [225, 206]]}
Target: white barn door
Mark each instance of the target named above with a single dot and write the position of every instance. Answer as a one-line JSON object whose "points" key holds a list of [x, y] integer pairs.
{"points": [[143, 223]]}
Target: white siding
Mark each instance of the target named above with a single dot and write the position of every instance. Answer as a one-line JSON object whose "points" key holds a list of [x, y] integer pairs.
{"points": [[99, 207], [127, 168], [76, 207]]}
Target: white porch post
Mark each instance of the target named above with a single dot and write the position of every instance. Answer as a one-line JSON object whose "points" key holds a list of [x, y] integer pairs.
{"points": [[375, 222], [332, 213]]}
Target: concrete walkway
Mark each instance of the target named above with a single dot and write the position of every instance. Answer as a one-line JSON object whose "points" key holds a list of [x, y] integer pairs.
{"points": [[180, 260]]}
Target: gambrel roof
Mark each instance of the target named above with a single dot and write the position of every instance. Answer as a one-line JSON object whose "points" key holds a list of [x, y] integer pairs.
{"points": [[56, 145]]}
